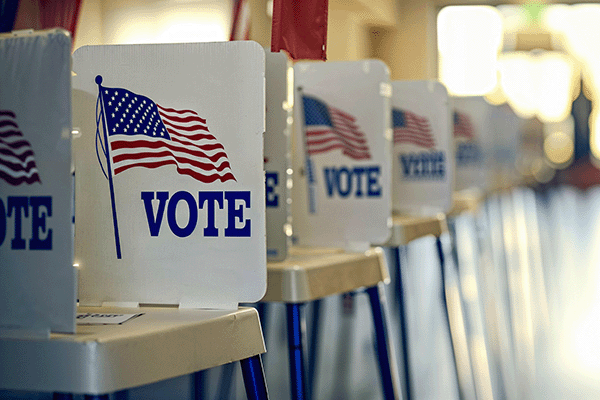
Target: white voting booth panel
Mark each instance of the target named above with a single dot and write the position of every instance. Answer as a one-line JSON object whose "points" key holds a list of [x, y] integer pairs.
{"points": [[342, 164], [472, 138], [37, 278], [279, 88], [423, 151], [169, 173]]}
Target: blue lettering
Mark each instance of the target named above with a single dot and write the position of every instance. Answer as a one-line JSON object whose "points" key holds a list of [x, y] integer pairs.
{"points": [[154, 223], [38, 223], [210, 197], [234, 213], [348, 181], [18, 203], [345, 181], [193, 214], [331, 180], [425, 165], [271, 182], [358, 172], [405, 162], [373, 187]]}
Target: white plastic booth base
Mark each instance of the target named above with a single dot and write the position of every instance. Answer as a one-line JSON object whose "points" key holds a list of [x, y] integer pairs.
{"points": [[160, 344]]}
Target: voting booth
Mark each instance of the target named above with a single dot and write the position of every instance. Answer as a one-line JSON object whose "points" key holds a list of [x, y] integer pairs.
{"points": [[169, 174], [36, 196], [473, 140], [342, 193], [423, 151], [169, 217], [279, 82]]}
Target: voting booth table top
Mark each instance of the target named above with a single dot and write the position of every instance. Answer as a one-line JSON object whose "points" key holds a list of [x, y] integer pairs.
{"points": [[168, 175]]}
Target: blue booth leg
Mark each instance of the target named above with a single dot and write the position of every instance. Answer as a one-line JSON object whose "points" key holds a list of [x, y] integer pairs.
{"points": [[313, 345], [387, 368], [96, 397], [254, 378], [440, 250], [403, 326], [296, 354], [62, 396], [198, 381], [121, 395]]}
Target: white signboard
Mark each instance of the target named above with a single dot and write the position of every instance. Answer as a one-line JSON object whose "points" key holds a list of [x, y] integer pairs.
{"points": [[170, 188], [342, 166], [423, 156], [279, 89], [472, 135], [37, 278]]}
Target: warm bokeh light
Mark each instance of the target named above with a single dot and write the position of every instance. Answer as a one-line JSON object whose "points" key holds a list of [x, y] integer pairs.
{"points": [[559, 148], [161, 22], [469, 70], [539, 84]]}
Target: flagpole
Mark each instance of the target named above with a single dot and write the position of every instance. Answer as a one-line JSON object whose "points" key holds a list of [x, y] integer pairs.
{"points": [[109, 168], [312, 192]]}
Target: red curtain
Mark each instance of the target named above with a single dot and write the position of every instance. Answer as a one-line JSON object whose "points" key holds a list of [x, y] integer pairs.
{"points": [[300, 28], [44, 14], [60, 13]]}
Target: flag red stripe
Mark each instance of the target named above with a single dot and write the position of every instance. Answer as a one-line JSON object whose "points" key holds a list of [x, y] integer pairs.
{"points": [[313, 142], [7, 113], [21, 156], [183, 171], [17, 181], [206, 147], [118, 144], [185, 128], [320, 132], [350, 153], [138, 156], [8, 123], [18, 166], [172, 110]]}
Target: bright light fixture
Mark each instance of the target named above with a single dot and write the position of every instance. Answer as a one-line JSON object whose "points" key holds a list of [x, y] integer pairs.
{"points": [[469, 38]]}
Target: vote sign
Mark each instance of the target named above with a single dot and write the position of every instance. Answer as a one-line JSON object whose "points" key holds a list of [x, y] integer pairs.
{"points": [[341, 193], [279, 89], [36, 238], [169, 173], [423, 155], [472, 135]]}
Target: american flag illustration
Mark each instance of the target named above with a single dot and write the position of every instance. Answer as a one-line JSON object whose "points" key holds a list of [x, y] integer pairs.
{"points": [[142, 133], [329, 128], [463, 126], [17, 161], [411, 128]]}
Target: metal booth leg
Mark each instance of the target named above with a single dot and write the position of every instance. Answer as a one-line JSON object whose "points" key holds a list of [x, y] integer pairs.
{"points": [[62, 396], [403, 327], [387, 368], [121, 395], [440, 251], [254, 378], [313, 345], [295, 325], [198, 380]]}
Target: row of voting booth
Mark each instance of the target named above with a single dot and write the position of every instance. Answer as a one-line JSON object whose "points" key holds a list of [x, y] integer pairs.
{"points": [[148, 190]]}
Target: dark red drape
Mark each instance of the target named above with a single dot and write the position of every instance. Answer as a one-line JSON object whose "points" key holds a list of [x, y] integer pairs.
{"points": [[300, 28], [60, 13], [45, 14]]}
